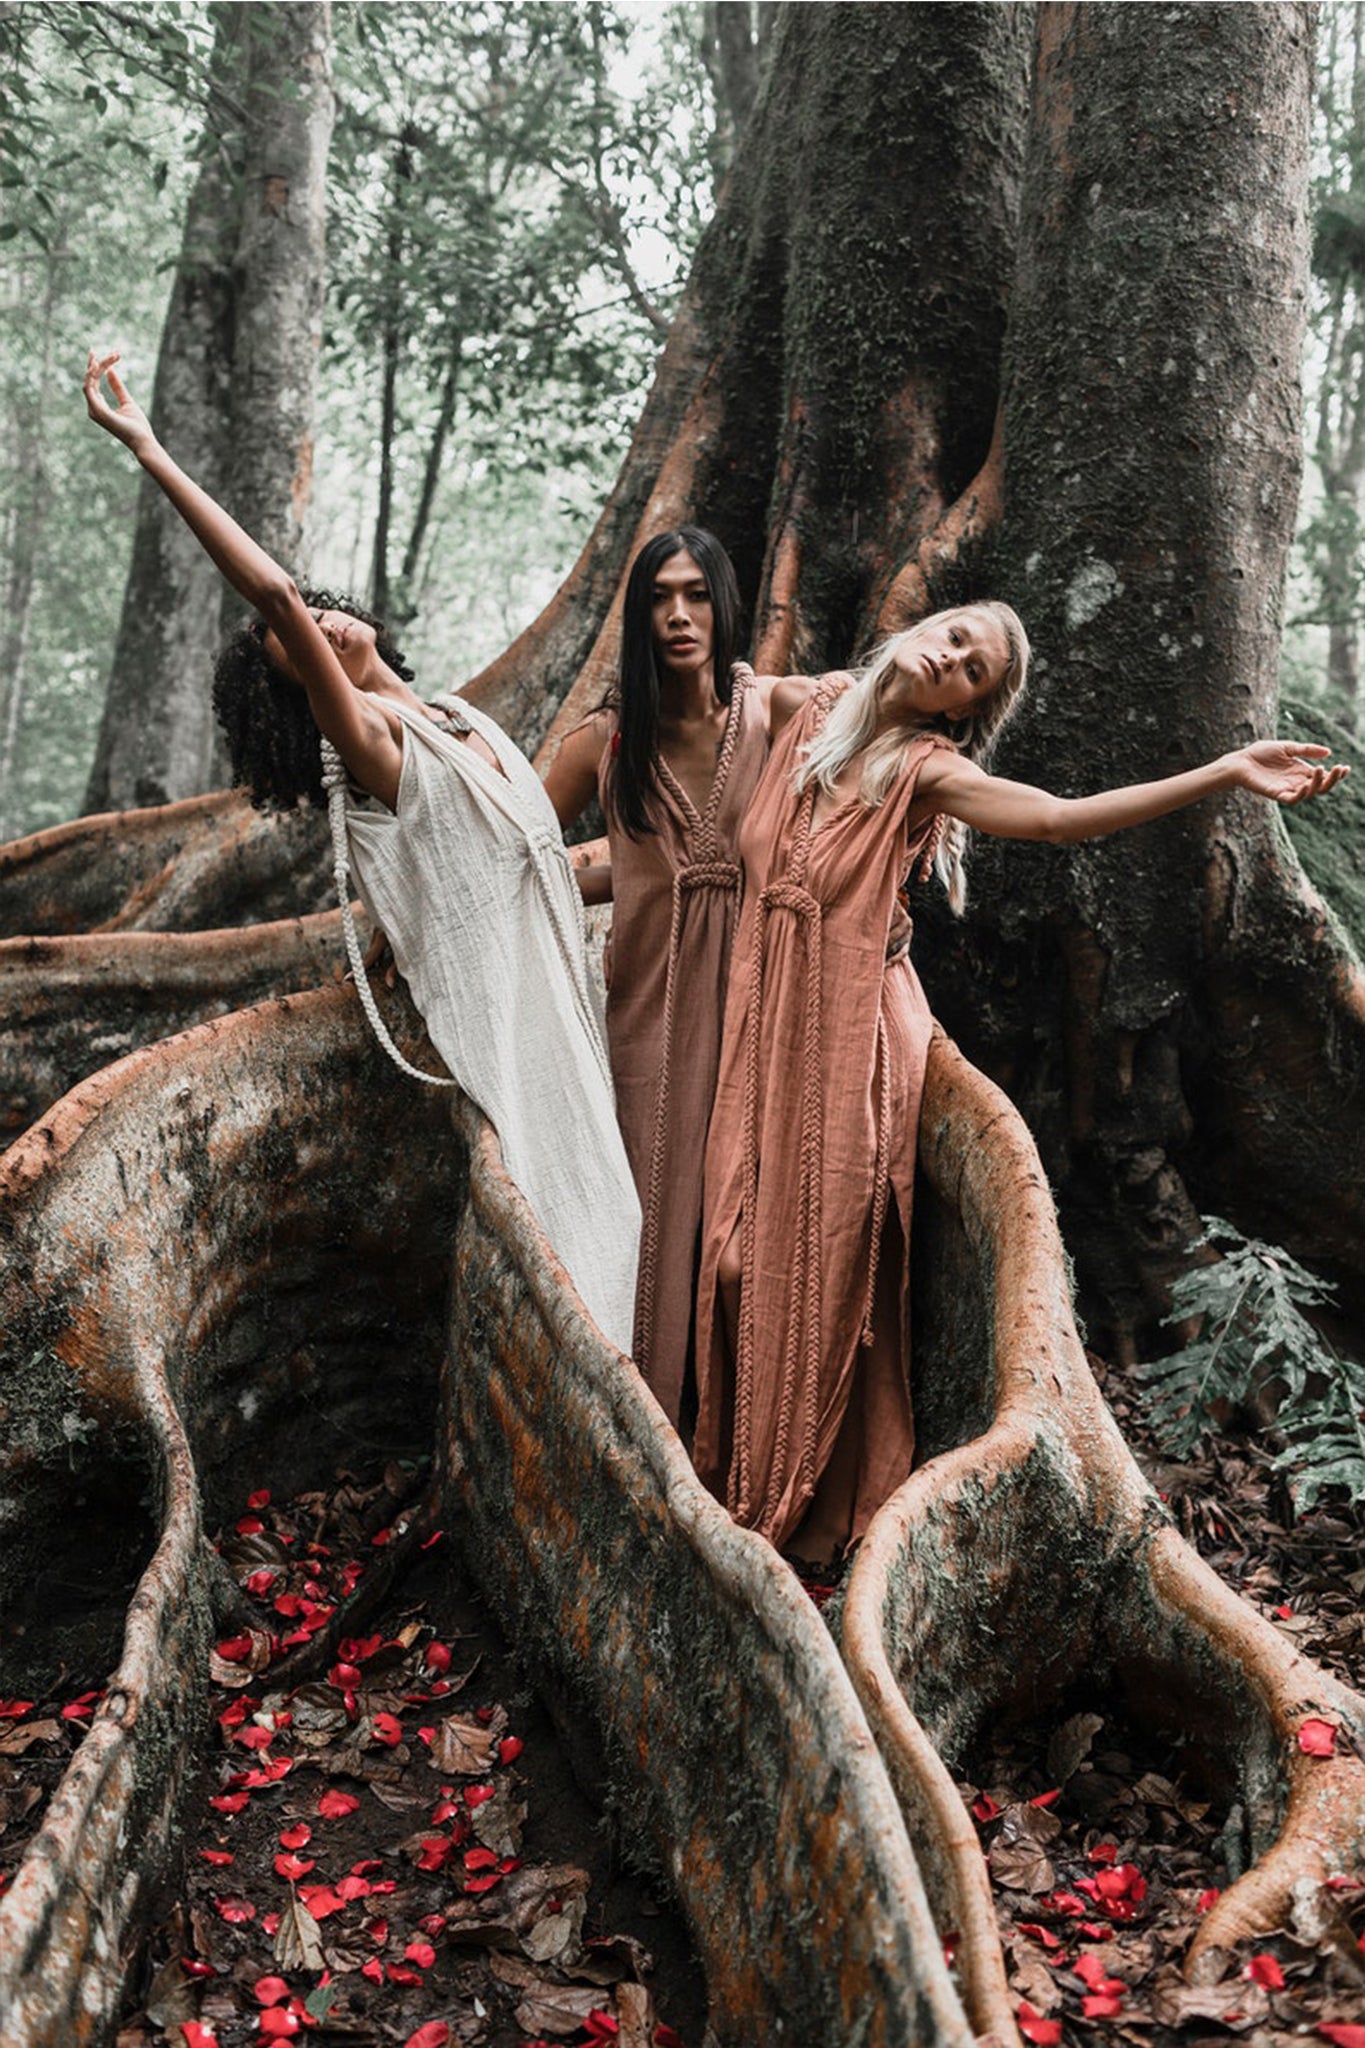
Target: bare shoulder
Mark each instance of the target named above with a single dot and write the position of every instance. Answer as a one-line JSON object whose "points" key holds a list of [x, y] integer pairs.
{"points": [[782, 697], [943, 768], [571, 778]]}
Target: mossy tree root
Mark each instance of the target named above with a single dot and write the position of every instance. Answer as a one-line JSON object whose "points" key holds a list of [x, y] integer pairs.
{"points": [[198, 865], [71, 1005], [198, 1240], [1028, 1557]]}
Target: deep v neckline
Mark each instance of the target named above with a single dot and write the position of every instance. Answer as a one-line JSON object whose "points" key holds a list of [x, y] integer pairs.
{"points": [[694, 819]]}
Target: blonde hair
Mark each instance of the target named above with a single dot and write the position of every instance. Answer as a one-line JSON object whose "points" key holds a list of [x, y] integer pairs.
{"points": [[851, 729]]}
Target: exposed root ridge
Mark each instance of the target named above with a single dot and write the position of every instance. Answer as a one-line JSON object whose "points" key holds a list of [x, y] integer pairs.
{"points": [[1033, 1553]]}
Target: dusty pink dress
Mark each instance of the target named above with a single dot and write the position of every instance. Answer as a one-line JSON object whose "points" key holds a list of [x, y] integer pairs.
{"points": [[811, 1159], [675, 898]]}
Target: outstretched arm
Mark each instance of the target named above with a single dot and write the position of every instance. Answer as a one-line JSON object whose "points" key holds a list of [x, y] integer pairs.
{"points": [[356, 727], [1284, 771]]}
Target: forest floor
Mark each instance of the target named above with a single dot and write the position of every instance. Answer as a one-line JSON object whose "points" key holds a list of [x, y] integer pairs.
{"points": [[1105, 1843], [397, 1850]]}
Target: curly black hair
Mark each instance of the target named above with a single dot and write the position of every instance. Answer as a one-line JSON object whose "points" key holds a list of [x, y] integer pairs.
{"points": [[272, 741]]}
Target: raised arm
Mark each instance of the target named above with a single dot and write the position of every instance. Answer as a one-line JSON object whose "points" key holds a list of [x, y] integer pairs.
{"points": [[1284, 771], [356, 727]]}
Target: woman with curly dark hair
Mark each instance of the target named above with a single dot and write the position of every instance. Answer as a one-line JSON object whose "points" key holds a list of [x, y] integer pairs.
{"points": [[458, 855], [272, 737]]}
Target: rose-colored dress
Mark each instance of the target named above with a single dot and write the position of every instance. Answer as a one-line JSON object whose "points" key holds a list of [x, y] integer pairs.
{"points": [[675, 896], [811, 1159]]}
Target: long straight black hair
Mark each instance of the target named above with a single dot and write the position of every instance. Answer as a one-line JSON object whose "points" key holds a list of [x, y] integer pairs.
{"points": [[635, 764]]}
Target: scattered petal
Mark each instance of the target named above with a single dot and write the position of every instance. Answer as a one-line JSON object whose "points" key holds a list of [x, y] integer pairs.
{"points": [[270, 1991], [333, 1805], [1317, 1738], [297, 1837], [1043, 2033], [1264, 1970]]}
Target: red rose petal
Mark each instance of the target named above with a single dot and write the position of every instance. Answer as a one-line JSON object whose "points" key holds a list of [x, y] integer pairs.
{"points": [[1342, 2034], [436, 1657], [1043, 2033], [279, 2024], [270, 1991], [475, 1795], [1265, 1971], [235, 1911], [294, 1867], [196, 2035], [434, 2034], [229, 1802], [219, 1858], [1207, 1899], [510, 1748], [374, 1970], [420, 1952], [1317, 1738], [1100, 2006], [387, 1730], [297, 1837], [334, 1805], [259, 1499]]}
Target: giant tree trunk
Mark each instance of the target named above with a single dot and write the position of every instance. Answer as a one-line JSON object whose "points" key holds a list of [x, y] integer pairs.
{"points": [[830, 382], [157, 738], [1174, 1010]]}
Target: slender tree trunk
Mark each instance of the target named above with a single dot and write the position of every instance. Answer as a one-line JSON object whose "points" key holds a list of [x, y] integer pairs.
{"points": [[431, 475], [279, 271], [157, 737], [26, 533], [380, 597]]}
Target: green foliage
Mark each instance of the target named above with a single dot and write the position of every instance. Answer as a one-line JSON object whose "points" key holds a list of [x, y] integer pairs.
{"points": [[1253, 1336]]}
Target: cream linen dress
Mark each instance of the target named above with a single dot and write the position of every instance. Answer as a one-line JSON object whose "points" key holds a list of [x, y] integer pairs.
{"points": [[470, 881]]}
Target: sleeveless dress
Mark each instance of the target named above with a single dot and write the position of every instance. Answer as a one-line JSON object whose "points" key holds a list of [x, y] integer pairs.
{"points": [[470, 880], [675, 899], [812, 1157]]}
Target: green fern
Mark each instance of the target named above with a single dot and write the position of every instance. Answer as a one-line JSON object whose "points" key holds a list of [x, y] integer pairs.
{"points": [[1248, 1304]]}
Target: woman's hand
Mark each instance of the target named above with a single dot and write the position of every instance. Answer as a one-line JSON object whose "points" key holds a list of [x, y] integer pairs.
{"points": [[1286, 771], [124, 419]]}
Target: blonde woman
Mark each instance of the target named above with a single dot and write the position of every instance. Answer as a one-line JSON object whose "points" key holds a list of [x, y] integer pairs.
{"points": [[804, 1423]]}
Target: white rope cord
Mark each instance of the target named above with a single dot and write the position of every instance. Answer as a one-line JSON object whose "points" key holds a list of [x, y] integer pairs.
{"points": [[334, 780]]}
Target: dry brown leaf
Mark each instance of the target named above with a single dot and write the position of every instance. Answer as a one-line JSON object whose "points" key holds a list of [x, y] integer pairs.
{"points": [[171, 1999], [607, 1958], [1070, 1746], [557, 1938], [298, 1939], [556, 2009], [1032, 1979], [1235, 2004], [1022, 1867], [19, 1739], [465, 1748], [499, 1821], [635, 2015]]}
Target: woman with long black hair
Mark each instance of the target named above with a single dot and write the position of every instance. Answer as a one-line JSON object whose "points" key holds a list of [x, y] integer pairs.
{"points": [[674, 756]]}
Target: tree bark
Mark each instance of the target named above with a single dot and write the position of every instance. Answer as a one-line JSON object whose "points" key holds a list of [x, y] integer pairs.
{"points": [[279, 272], [26, 526], [1152, 1001], [830, 384], [157, 738]]}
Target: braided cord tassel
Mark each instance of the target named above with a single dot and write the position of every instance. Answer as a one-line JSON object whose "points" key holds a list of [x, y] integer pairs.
{"points": [[334, 780]]}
